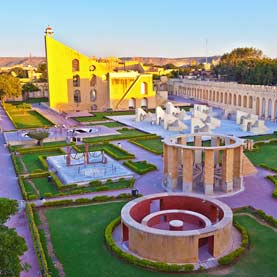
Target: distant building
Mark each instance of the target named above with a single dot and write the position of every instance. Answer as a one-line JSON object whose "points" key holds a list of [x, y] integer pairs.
{"points": [[77, 82]]}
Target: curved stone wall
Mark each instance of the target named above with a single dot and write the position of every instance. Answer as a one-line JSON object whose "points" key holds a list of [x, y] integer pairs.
{"points": [[203, 163], [159, 242]]}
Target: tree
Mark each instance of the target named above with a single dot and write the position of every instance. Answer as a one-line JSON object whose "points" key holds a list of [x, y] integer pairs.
{"points": [[28, 87], [169, 66], [8, 207], [39, 136], [19, 72], [42, 68], [12, 246], [9, 86]]}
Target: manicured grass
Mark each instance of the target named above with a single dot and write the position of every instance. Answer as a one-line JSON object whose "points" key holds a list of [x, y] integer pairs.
{"points": [[110, 149], [44, 186], [262, 137], [267, 154], [32, 162], [125, 134], [31, 100], [112, 124], [140, 167], [100, 116], [78, 239], [31, 119], [153, 145]]}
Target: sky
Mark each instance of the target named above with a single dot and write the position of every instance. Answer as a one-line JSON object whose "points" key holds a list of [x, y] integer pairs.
{"points": [[164, 28]]}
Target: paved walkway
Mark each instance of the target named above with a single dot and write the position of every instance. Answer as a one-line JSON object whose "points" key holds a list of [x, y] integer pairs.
{"points": [[54, 117], [9, 189], [5, 122]]}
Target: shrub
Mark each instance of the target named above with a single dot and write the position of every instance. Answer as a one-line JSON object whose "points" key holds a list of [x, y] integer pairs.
{"points": [[22, 188], [102, 198], [273, 179], [39, 174], [231, 257], [48, 194], [102, 188], [33, 196], [37, 242], [64, 202], [83, 200], [137, 261], [95, 183]]}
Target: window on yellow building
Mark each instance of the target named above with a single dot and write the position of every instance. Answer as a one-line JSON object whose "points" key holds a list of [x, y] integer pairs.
{"points": [[76, 81], [93, 95], [77, 96], [75, 65], [143, 88], [93, 81]]}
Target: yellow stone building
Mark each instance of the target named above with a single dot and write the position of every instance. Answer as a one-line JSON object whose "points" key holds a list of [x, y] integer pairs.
{"points": [[77, 82]]}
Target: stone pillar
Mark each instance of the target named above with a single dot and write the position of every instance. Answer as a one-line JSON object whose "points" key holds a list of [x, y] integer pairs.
{"points": [[198, 153], [215, 142], [209, 171], [172, 167], [238, 179], [68, 159], [187, 170], [86, 159], [165, 156], [227, 169]]}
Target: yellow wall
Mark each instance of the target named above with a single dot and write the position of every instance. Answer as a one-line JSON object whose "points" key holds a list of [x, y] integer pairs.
{"points": [[60, 76]]}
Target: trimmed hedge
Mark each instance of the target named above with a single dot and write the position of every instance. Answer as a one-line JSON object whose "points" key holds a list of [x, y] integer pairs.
{"points": [[135, 166], [18, 168], [160, 266], [38, 174], [31, 150], [231, 257], [22, 188], [268, 218], [37, 242], [135, 141], [96, 199], [273, 179]]}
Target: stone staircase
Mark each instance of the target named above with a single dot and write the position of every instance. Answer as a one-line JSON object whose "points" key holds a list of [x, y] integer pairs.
{"points": [[247, 167]]}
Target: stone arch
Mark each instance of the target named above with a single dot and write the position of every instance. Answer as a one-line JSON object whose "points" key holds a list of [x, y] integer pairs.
{"points": [[263, 107], [77, 96], [76, 80], [75, 65], [144, 103], [250, 104], [225, 97], [230, 99], [257, 106], [269, 108], [221, 97], [132, 103], [275, 109], [239, 100], [235, 99], [245, 101]]}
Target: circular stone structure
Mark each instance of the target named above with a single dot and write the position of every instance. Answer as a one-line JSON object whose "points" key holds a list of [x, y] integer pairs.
{"points": [[204, 227], [203, 163]]}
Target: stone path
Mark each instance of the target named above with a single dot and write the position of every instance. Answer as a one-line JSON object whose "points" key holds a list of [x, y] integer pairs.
{"points": [[5, 122], [44, 226], [54, 117]]}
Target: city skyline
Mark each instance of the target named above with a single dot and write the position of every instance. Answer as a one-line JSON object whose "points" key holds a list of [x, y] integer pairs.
{"points": [[160, 29]]}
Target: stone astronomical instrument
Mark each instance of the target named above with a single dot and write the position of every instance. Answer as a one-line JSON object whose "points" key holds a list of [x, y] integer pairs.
{"points": [[204, 163], [176, 227]]}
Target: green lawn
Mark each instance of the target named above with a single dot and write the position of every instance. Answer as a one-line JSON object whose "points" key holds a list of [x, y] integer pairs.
{"points": [[116, 152], [262, 137], [78, 238], [154, 145], [100, 116], [140, 167], [112, 124], [32, 162], [44, 186], [31, 119], [124, 134], [267, 154]]}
